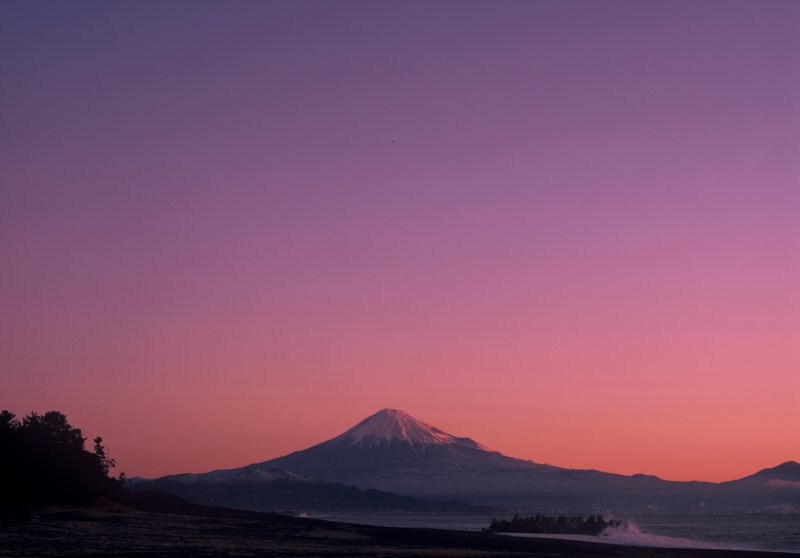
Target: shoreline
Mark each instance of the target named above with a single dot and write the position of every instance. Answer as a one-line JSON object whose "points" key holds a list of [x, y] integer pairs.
{"points": [[646, 540], [207, 531]]}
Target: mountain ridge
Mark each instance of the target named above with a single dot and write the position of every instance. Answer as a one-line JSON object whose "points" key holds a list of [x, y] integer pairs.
{"points": [[394, 452], [276, 489]]}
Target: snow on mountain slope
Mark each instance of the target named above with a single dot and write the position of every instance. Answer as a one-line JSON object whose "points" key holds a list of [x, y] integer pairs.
{"points": [[390, 425], [392, 451]]}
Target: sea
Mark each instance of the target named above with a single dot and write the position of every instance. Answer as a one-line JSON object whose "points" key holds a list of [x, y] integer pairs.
{"points": [[776, 532]]}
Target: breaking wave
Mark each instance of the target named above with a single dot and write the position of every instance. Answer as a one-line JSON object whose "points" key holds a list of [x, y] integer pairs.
{"points": [[631, 535]]}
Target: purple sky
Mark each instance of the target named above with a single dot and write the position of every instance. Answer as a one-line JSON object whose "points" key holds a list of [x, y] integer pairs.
{"points": [[215, 213]]}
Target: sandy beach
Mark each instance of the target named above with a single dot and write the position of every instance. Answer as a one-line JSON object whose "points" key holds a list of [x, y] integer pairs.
{"points": [[205, 531]]}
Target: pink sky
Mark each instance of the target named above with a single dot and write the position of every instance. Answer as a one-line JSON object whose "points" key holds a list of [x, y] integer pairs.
{"points": [[568, 230]]}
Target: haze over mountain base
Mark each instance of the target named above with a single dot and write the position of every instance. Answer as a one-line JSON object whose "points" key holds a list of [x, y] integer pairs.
{"points": [[394, 452]]}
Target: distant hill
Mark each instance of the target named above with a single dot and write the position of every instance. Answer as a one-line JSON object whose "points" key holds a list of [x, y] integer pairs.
{"points": [[776, 489], [785, 474], [277, 490]]}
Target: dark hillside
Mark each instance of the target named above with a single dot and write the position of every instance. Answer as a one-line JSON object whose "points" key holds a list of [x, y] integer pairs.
{"points": [[43, 461]]}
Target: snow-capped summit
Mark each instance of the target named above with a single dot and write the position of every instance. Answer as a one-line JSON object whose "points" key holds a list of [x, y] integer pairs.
{"points": [[390, 425], [387, 447], [393, 451]]}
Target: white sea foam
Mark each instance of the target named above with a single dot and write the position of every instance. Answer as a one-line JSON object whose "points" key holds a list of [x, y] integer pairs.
{"points": [[631, 535], [763, 532]]}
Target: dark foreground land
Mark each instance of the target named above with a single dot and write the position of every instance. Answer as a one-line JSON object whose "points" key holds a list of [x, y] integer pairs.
{"points": [[205, 531]]}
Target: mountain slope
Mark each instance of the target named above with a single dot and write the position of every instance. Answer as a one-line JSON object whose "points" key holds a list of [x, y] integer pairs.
{"points": [[394, 452], [275, 489], [788, 472], [776, 489], [391, 450]]}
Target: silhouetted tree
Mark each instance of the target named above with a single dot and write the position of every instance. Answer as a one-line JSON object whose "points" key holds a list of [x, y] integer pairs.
{"points": [[43, 461], [106, 463]]}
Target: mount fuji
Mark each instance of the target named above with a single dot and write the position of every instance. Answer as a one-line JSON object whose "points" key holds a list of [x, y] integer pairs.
{"points": [[391, 450], [394, 452]]}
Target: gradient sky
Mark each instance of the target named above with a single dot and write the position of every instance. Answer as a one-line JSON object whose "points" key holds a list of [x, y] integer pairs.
{"points": [[568, 230]]}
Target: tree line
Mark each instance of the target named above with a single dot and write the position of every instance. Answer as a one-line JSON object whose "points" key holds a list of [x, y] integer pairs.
{"points": [[44, 461]]}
